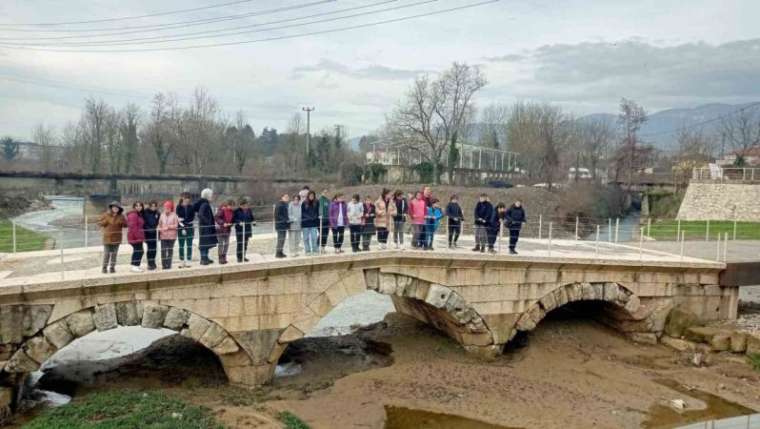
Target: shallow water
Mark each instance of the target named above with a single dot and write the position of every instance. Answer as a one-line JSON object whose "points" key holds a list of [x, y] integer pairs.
{"points": [[408, 418]]}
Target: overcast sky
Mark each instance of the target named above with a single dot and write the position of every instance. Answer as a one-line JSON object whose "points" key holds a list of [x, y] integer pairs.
{"points": [[581, 54]]}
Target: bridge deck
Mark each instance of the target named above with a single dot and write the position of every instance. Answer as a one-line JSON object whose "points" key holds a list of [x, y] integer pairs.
{"points": [[83, 264]]}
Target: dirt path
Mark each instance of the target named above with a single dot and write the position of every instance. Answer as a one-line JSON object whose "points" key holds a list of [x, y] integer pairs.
{"points": [[570, 373]]}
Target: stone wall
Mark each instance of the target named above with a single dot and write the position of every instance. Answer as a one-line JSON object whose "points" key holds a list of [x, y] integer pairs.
{"points": [[721, 201]]}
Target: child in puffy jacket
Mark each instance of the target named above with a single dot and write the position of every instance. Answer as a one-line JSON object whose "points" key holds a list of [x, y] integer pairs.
{"points": [[432, 220], [224, 221], [168, 225]]}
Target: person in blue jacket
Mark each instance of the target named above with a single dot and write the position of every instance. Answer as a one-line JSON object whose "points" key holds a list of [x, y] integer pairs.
{"points": [[432, 220]]}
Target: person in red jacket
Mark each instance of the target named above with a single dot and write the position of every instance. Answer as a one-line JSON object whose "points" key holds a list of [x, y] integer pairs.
{"points": [[418, 211], [223, 220], [136, 235]]}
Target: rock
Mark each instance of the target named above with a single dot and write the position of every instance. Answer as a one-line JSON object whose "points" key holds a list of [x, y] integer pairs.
{"points": [[105, 317], [176, 318], [633, 304], [58, 334], [677, 343], [753, 344], [196, 327], [127, 315], [720, 342], [678, 320], [80, 323], [738, 342], [213, 336], [437, 295], [154, 315], [702, 334], [643, 337], [227, 346], [39, 349], [21, 363], [35, 318]]}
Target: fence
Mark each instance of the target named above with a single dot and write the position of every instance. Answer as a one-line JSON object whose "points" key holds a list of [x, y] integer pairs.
{"points": [[749, 175]]}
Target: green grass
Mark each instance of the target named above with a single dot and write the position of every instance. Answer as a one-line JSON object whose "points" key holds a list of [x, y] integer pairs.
{"points": [[125, 409], [292, 421], [754, 360], [696, 230], [26, 240]]}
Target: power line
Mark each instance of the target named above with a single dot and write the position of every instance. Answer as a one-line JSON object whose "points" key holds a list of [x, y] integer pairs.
{"points": [[268, 39], [155, 27], [230, 32], [126, 18], [699, 124]]}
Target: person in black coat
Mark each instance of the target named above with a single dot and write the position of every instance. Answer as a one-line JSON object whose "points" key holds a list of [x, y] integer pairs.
{"points": [[244, 221], [515, 218], [493, 225], [402, 210], [186, 214], [281, 223], [206, 225], [455, 216], [483, 212], [150, 217]]}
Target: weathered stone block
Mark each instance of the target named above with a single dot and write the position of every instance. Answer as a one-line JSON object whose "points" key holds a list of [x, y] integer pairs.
{"points": [[58, 334], [702, 334], [633, 304], [291, 333], [213, 336], [176, 318], [548, 302], [525, 323], [720, 342], [226, 346], [258, 343], [738, 342], [39, 349], [387, 284], [154, 315], [372, 279], [643, 337], [488, 352], [678, 320], [21, 363], [35, 318], [677, 343], [250, 375], [105, 317], [127, 314], [196, 327], [753, 344], [80, 323], [438, 295]]}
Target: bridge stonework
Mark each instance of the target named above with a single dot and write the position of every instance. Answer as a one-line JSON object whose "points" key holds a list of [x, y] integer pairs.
{"points": [[248, 314]]}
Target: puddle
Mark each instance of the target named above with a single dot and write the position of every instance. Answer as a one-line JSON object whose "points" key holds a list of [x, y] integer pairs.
{"points": [[407, 418], [662, 416]]}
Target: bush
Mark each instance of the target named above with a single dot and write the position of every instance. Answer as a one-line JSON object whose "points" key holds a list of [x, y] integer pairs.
{"points": [[351, 174], [425, 171], [292, 421], [376, 173]]}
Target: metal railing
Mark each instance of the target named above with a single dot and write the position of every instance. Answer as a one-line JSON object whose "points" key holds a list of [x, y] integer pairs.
{"points": [[730, 174]]}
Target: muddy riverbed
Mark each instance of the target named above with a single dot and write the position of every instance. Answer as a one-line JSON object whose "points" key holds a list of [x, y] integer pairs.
{"points": [[569, 373]]}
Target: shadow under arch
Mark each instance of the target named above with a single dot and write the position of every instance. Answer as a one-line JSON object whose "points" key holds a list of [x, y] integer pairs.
{"points": [[55, 335], [435, 304], [622, 310]]}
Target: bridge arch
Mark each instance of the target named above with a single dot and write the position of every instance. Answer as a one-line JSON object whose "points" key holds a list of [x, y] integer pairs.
{"points": [[436, 304], [54, 335]]}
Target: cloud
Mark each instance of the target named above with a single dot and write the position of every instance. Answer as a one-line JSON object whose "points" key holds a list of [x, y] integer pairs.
{"points": [[372, 72], [509, 58]]}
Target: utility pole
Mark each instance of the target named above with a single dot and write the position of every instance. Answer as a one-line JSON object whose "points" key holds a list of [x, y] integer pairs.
{"points": [[308, 111]]}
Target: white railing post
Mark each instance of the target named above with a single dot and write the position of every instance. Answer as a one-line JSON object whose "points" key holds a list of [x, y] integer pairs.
{"points": [[596, 247], [735, 229], [609, 229], [86, 230], [13, 229], [707, 230], [244, 244], [717, 252], [617, 229], [274, 227], [540, 224], [678, 230], [577, 225], [683, 239], [641, 245], [725, 249], [551, 224], [649, 227], [60, 245]]}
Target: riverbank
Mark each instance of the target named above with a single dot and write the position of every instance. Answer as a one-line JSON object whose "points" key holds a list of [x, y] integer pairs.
{"points": [[26, 240], [570, 372]]}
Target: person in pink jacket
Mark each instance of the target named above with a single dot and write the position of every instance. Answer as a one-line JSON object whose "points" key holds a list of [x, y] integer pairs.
{"points": [[417, 211], [136, 235], [168, 224]]}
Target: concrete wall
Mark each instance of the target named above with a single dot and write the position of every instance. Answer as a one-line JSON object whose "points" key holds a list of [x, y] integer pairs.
{"points": [[721, 201]]}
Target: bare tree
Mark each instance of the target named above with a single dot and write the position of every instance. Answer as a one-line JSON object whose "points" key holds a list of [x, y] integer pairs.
{"points": [[93, 125], [596, 137], [296, 126], [158, 130], [493, 122], [240, 139], [129, 119], [631, 117], [203, 134], [435, 113], [742, 131], [45, 137]]}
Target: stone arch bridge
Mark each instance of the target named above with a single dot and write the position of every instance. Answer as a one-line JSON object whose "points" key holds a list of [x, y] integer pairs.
{"points": [[248, 314]]}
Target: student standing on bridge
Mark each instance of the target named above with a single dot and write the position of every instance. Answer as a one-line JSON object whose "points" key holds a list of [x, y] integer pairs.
{"points": [[223, 220], [206, 225], [168, 224], [368, 230], [493, 226], [432, 220], [455, 215], [483, 212], [399, 218], [112, 223], [324, 219], [294, 213], [515, 218], [338, 219], [355, 221], [136, 235], [385, 211], [418, 211], [281, 223], [186, 216], [150, 218], [310, 224], [244, 222]]}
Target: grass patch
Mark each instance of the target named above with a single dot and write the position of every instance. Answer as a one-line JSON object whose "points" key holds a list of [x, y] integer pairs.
{"points": [[754, 360], [26, 240], [125, 409], [292, 421], [696, 230]]}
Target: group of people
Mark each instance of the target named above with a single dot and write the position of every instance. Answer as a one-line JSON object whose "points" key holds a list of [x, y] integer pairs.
{"points": [[303, 215], [147, 227]]}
